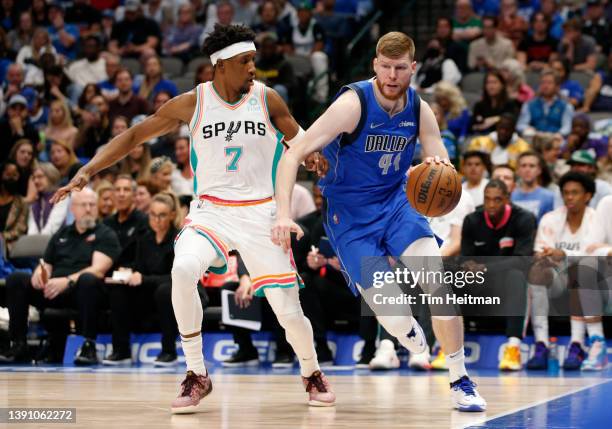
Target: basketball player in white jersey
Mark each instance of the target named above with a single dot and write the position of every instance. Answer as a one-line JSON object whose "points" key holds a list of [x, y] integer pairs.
{"points": [[236, 129]]}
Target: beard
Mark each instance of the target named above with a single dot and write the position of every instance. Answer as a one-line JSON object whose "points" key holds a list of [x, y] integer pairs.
{"points": [[395, 97], [86, 223]]}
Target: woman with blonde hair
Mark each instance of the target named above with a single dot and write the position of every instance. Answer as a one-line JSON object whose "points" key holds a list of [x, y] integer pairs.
{"points": [[454, 106], [160, 173], [30, 54], [512, 71], [46, 217], [549, 146], [106, 200], [24, 155], [137, 162], [60, 125], [65, 160]]}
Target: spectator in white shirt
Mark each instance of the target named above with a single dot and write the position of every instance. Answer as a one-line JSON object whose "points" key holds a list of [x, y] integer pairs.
{"points": [[91, 68], [475, 165]]}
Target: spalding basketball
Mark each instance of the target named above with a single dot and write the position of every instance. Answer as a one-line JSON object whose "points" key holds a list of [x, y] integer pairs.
{"points": [[433, 189]]}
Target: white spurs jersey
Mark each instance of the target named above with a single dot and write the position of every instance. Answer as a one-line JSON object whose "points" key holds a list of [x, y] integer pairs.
{"points": [[234, 147]]}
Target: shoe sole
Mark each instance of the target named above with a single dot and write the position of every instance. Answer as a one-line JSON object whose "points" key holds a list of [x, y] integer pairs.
{"points": [[240, 364], [122, 362], [191, 409], [166, 364], [383, 367], [314, 403], [362, 366], [471, 409], [282, 365]]}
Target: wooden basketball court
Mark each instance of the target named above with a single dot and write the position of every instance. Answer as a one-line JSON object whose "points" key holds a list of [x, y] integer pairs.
{"points": [[365, 400]]}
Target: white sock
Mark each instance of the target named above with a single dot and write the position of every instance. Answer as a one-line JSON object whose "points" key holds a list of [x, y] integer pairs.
{"points": [[539, 312], [595, 329], [194, 356], [578, 328], [456, 365], [514, 341]]}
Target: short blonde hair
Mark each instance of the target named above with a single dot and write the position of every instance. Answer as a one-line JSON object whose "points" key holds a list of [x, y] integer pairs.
{"points": [[394, 45], [451, 92]]}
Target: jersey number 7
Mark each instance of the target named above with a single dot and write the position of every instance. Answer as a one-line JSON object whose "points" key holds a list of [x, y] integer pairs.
{"points": [[234, 153]]}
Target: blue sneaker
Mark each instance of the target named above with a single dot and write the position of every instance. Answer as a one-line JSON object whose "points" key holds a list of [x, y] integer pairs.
{"points": [[598, 355], [575, 356], [464, 396], [539, 360]]}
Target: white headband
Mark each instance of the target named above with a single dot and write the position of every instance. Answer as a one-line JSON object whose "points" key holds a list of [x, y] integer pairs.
{"points": [[231, 51]]}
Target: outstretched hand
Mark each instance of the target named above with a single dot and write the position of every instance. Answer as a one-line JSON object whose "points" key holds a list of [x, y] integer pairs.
{"points": [[281, 232], [318, 163], [78, 182]]}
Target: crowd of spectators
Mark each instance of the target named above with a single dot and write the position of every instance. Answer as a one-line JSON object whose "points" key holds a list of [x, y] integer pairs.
{"points": [[514, 86]]}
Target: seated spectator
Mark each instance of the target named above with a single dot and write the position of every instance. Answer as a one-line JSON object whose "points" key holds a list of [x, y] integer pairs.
{"points": [[83, 14], [127, 103], [448, 227], [30, 57], [605, 164], [547, 112], [580, 137], [550, 9], [569, 230], [500, 228], [137, 161], [148, 85], [494, 103], [15, 125], [182, 40], [273, 69], [457, 115], [530, 195], [436, 66], [307, 39], [220, 13], [13, 82], [107, 87], [40, 14], [598, 97], [527, 8], [24, 155], [467, 26], [182, 177], [535, 50], [516, 84], [106, 199], [549, 146], [64, 159], [160, 174], [136, 34], [75, 262], [127, 222], [511, 24], [56, 83], [268, 20], [475, 165], [38, 113], [60, 124], [13, 208], [596, 26], [147, 293], [95, 129], [578, 48], [583, 162], [92, 67], [22, 34], [160, 11], [204, 73], [448, 138], [89, 92], [453, 50], [143, 196], [46, 217], [570, 90], [245, 12], [502, 145], [64, 36], [506, 174]]}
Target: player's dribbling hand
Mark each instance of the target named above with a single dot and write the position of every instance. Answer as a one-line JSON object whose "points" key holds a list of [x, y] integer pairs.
{"points": [[437, 160], [318, 163], [281, 232], [78, 182]]}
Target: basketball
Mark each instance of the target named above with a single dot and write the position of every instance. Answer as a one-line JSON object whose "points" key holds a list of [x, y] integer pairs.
{"points": [[433, 189]]}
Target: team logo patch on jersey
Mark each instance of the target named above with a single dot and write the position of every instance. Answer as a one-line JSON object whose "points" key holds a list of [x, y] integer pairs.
{"points": [[253, 106], [232, 129]]}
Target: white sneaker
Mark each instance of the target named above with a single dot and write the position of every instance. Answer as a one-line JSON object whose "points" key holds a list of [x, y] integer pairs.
{"points": [[385, 357], [465, 397], [420, 362], [33, 314], [416, 343]]}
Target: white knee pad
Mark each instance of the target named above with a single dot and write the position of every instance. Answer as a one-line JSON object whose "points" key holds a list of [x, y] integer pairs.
{"points": [[186, 270]]}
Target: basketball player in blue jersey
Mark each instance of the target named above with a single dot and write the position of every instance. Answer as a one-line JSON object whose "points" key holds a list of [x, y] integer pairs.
{"points": [[236, 124], [368, 136]]}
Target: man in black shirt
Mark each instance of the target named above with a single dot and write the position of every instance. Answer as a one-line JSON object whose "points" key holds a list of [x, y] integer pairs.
{"points": [[128, 222], [136, 35], [500, 228], [76, 259]]}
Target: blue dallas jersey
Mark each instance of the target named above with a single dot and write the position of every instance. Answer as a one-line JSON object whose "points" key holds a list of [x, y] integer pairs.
{"points": [[371, 163]]}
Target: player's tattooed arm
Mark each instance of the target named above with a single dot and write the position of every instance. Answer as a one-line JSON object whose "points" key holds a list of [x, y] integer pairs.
{"points": [[167, 118]]}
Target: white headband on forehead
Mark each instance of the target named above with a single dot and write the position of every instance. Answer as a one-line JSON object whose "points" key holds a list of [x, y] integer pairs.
{"points": [[231, 51]]}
